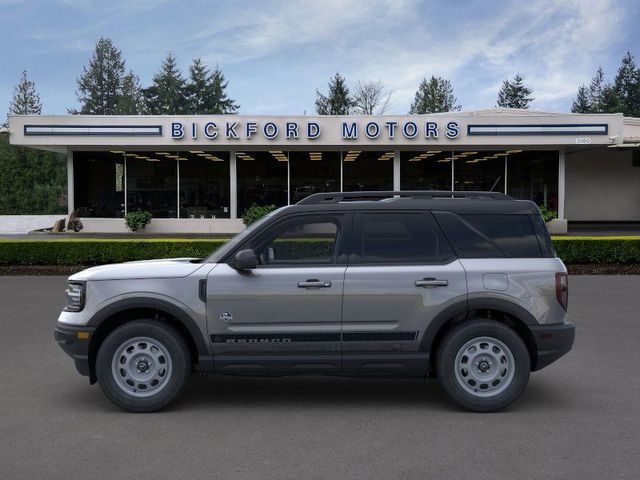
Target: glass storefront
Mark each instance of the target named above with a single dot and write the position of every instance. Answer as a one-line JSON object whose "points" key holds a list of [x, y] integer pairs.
{"points": [[152, 183], [263, 178], [204, 184], [99, 184], [367, 171], [313, 172], [196, 184], [425, 170]]}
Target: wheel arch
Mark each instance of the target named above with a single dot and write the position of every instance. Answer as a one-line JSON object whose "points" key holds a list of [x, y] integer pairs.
{"points": [[504, 311], [126, 310]]}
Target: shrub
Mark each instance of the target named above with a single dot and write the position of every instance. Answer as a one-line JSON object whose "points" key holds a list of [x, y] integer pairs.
{"points": [[547, 215], [137, 220], [256, 212], [74, 222], [598, 249]]}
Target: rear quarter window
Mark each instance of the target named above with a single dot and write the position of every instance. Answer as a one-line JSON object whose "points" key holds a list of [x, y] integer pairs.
{"points": [[491, 235]]}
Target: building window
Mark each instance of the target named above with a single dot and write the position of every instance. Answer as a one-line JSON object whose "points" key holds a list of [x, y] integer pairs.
{"points": [[479, 171], [152, 183], [367, 171], [263, 179], [313, 172], [533, 175], [425, 170], [99, 184], [204, 184]]}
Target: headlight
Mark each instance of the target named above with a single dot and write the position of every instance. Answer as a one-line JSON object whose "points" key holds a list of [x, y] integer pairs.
{"points": [[75, 297]]}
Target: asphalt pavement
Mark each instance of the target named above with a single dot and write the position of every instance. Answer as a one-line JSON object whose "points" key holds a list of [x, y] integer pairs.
{"points": [[578, 418]]}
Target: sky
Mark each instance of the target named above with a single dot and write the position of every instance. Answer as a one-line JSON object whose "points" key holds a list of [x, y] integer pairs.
{"points": [[275, 54]]}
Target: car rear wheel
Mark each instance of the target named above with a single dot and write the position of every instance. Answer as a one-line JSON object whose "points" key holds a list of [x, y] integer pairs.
{"points": [[143, 365], [483, 365]]}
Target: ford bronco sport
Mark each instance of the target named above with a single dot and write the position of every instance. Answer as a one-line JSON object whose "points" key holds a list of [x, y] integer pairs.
{"points": [[462, 286]]}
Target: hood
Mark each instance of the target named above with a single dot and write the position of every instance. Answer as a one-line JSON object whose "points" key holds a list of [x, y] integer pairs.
{"points": [[165, 268]]}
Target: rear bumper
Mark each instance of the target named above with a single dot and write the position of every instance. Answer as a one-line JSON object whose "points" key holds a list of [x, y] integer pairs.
{"points": [[552, 342], [75, 343]]}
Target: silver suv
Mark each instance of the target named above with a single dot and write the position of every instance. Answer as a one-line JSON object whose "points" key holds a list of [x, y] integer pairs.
{"points": [[462, 286]]}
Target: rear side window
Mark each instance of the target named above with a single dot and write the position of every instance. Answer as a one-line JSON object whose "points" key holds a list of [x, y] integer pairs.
{"points": [[491, 235], [395, 238]]}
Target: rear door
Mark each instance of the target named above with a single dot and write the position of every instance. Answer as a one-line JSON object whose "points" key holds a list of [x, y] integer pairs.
{"points": [[401, 274], [285, 315]]}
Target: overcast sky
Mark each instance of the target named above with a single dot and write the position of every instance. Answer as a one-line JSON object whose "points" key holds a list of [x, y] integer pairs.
{"points": [[276, 53]]}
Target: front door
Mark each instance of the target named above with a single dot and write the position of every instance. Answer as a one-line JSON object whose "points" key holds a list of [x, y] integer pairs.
{"points": [[401, 274], [284, 315]]}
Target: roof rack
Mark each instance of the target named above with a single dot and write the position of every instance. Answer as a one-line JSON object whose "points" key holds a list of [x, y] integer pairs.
{"points": [[337, 197]]}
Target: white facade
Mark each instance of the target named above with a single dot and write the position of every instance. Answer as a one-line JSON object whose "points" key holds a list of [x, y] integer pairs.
{"points": [[595, 176]]}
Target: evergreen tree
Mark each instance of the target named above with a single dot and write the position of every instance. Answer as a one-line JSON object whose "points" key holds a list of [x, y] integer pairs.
{"points": [[206, 92], [130, 100], [166, 96], [596, 88], [337, 101], [627, 86], [581, 103], [26, 100], [434, 95], [100, 84], [514, 93]]}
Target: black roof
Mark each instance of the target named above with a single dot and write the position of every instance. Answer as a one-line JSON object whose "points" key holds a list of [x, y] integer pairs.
{"points": [[458, 202]]}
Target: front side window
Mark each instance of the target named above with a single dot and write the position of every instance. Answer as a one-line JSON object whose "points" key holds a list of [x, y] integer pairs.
{"points": [[306, 241], [401, 238]]}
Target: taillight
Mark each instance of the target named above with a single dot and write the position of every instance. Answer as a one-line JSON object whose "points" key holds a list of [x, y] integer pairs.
{"points": [[562, 289]]}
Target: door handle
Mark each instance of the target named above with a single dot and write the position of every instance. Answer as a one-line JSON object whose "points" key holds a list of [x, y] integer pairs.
{"points": [[313, 283], [431, 283]]}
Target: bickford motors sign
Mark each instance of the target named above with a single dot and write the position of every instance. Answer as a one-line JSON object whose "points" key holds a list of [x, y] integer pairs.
{"points": [[290, 130]]}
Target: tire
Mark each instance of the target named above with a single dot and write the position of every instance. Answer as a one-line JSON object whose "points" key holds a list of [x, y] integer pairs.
{"points": [[143, 365], [483, 365]]}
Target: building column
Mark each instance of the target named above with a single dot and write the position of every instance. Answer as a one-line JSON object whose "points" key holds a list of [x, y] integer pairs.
{"points": [[233, 186], [70, 196], [561, 183], [396, 170]]}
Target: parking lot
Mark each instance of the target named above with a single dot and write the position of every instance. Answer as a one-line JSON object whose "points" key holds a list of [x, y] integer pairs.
{"points": [[579, 418]]}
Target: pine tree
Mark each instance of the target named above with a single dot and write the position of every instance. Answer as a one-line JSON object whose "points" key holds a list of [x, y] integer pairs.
{"points": [[26, 100], [434, 95], [206, 92], [514, 93], [99, 85], [130, 101], [581, 103], [167, 94], [337, 101], [627, 86], [596, 88]]}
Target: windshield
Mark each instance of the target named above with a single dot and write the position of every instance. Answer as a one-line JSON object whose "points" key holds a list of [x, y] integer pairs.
{"points": [[239, 238]]}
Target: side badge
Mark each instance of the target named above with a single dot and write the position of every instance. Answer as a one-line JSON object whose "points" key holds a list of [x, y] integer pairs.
{"points": [[226, 316]]}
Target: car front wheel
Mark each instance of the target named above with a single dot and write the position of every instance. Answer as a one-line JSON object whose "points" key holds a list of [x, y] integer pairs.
{"points": [[483, 365], [143, 365]]}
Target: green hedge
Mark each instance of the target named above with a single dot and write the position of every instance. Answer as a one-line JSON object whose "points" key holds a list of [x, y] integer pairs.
{"points": [[97, 252], [101, 251], [598, 249]]}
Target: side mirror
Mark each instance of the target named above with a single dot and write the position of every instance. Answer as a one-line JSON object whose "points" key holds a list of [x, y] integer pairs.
{"points": [[245, 260]]}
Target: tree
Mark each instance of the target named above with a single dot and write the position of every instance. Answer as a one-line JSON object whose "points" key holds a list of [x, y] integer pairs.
{"points": [[434, 95], [26, 100], [167, 96], [370, 98], [206, 92], [596, 88], [581, 104], [514, 93], [337, 101], [130, 100], [627, 86], [99, 86]]}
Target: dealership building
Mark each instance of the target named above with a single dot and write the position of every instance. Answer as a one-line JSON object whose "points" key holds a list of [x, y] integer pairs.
{"points": [[200, 173]]}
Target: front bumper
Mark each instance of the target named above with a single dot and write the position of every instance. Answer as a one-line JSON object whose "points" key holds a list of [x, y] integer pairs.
{"points": [[552, 342], [75, 343]]}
